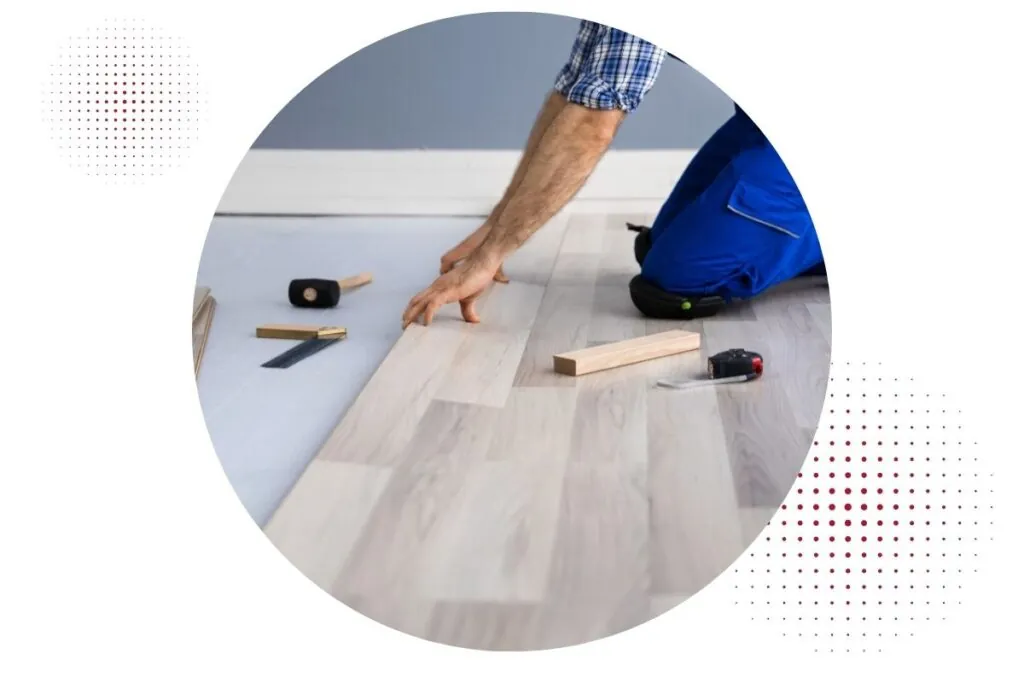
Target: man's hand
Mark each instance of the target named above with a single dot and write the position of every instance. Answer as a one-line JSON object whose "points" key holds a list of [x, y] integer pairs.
{"points": [[464, 283], [465, 248]]}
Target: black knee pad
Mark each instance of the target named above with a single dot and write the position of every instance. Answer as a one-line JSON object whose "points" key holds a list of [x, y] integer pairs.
{"points": [[655, 302]]}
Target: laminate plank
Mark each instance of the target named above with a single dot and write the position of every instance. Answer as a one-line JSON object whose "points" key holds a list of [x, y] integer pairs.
{"points": [[695, 526], [754, 521], [822, 315], [600, 577], [498, 532], [798, 355], [766, 447], [489, 358], [563, 319], [496, 541], [618, 260], [532, 263], [403, 612], [614, 317], [535, 426], [585, 235], [320, 519], [610, 422], [201, 331], [394, 551], [381, 421], [660, 604], [198, 300], [485, 626]]}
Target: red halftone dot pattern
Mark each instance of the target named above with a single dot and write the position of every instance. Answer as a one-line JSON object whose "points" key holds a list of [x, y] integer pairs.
{"points": [[123, 101], [882, 531]]}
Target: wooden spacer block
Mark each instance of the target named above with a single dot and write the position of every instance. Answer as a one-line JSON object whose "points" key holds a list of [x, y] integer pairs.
{"points": [[356, 281], [291, 331], [627, 352]]}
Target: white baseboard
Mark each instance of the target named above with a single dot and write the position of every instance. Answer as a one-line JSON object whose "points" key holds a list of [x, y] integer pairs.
{"points": [[414, 182]]}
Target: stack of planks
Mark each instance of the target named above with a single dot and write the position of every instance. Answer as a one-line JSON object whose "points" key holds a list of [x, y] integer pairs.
{"points": [[203, 305]]}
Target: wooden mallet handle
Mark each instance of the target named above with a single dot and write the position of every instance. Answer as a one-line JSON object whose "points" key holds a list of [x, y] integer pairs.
{"points": [[355, 281]]}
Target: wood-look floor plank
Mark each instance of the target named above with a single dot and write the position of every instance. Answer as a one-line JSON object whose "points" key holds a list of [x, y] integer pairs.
{"points": [[610, 422], [535, 426], [766, 447], [754, 521], [201, 331], [600, 572], [654, 326], [695, 526], [532, 263], [562, 321], [496, 540], [485, 625], [198, 299], [660, 604], [402, 612], [822, 315], [584, 235], [614, 316], [488, 359], [602, 547], [791, 337], [322, 516], [497, 535], [381, 421], [395, 546]]}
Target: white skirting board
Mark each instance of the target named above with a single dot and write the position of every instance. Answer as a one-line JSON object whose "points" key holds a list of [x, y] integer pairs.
{"points": [[427, 182]]}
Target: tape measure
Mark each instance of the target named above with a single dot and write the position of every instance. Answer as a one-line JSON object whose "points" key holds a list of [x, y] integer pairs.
{"points": [[736, 363], [727, 367]]}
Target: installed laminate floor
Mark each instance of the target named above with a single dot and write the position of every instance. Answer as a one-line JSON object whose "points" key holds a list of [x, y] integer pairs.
{"points": [[471, 496]]}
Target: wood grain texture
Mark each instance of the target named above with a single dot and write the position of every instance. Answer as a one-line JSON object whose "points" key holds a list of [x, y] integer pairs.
{"points": [[625, 352], [201, 326], [474, 497], [766, 444], [198, 300]]}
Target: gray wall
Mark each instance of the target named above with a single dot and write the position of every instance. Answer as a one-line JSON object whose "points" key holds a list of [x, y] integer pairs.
{"points": [[475, 82]]}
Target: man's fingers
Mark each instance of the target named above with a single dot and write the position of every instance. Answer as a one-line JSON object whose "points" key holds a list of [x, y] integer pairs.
{"points": [[469, 313], [412, 311], [431, 309], [500, 275]]}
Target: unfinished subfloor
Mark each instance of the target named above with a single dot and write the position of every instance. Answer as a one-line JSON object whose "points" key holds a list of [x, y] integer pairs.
{"points": [[469, 495]]}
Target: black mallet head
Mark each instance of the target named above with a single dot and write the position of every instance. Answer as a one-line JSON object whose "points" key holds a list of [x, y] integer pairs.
{"points": [[314, 293], [317, 293]]}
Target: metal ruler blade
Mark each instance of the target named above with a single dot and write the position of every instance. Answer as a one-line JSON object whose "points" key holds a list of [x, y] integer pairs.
{"points": [[300, 352]]}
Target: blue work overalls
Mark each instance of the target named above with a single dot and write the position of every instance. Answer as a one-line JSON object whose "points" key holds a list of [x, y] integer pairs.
{"points": [[735, 224]]}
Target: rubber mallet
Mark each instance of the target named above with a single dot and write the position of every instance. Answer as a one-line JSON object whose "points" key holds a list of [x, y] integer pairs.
{"points": [[316, 293]]}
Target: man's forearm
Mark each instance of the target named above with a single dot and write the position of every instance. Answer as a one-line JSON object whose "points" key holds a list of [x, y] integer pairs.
{"points": [[565, 156], [553, 106]]}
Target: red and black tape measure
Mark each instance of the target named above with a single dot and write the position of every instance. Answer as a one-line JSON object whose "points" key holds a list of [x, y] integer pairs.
{"points": [[735, 363], [727, 367]]}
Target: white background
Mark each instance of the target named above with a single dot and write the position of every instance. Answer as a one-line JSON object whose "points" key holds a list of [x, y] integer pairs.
{"points": [[124, 551]]}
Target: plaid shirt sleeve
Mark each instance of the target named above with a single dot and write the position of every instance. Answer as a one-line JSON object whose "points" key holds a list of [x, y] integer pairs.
{"points": [[609, 69]]}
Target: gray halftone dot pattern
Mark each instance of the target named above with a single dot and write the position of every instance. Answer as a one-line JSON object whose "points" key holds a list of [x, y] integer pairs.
{"points": [[123, 101], [881, 533]]}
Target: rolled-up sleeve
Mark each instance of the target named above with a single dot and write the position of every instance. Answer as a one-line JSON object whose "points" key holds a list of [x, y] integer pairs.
{"points": [[609, 68]]}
